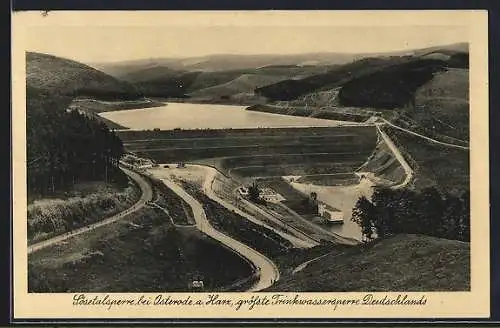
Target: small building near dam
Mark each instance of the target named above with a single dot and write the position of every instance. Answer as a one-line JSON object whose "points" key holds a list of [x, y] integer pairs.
{"points": [[330, 214]]}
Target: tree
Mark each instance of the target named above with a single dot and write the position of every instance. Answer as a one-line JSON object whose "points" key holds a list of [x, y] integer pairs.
{"points": [[382, 200], [65, 146], [431, 211], [364, 215], [254, 193]]}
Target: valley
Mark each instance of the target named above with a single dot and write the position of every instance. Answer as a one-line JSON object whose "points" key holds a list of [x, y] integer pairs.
{"points": [[260, 168]]}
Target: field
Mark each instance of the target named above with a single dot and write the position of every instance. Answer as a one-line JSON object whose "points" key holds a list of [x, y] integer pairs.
{"points": [[401, 263], [444, 167], [157, 256], [259, 152]]}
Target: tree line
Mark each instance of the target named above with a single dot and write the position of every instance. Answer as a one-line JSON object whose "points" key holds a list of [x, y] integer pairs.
{"points": [[428, 212], [67, 147]]}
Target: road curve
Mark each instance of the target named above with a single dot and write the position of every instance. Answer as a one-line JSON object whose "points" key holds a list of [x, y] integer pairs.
{"points": [[147, 194], [406, 167], [268, 271]]}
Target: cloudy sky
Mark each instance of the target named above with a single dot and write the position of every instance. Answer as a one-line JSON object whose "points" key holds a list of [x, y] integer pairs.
{"points": [[94, 41]]}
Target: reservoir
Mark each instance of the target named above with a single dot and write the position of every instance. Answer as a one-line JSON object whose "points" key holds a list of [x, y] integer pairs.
{"points": [[207, 116]]}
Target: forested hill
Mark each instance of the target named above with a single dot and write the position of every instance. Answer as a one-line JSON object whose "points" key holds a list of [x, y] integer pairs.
{"points": [[67, 77], [67, 147], [381, 82]]}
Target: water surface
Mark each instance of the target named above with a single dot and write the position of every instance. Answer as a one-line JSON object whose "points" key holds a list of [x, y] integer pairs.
{"points": [[207, 116]]}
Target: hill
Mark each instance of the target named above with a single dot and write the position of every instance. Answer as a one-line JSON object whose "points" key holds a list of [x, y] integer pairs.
{"points": [[144, 74], [67, 77], [293, 88], [245, 83], [399, 263], [425, 91], [378, 67], [165, 86], [443, 104]]}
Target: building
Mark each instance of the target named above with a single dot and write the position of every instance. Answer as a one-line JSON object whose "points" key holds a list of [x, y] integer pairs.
{"points": [[330, 214], [243, 191]]}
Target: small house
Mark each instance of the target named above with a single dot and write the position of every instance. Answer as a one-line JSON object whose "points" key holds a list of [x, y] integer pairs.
{"points": [[330, 214]]}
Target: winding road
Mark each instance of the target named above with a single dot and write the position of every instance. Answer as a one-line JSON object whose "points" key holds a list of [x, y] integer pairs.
{"points": [[268, 271], [147, 194]]}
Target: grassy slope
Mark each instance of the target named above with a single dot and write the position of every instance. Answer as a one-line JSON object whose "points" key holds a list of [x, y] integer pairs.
{"points": [[400, 263], [146, 73], [63, 76], [251, 78], [55, 81], [245, 83], [443, 104], [136, 254], [82, 205]]}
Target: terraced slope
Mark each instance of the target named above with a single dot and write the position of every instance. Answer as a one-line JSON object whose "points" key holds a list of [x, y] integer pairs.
{"points": [[260, 152]]}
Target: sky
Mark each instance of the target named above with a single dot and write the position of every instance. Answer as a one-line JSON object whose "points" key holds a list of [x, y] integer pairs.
{"points": [[94, 44]]}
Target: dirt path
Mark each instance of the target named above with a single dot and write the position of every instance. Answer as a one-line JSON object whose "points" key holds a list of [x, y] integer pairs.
{"points": [[268, 271], [147, 194], [302, 266]]}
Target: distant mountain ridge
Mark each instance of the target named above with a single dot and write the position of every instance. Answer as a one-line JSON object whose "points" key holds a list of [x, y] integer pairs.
{"points": [[217, 77], [224, 62]]}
